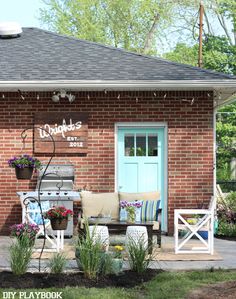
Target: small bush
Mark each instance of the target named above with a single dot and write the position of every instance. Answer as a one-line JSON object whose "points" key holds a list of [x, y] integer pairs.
{"points": [[226, 208], [89, 253], [226, 229], [57, 263], [138, 255], [20, 255]]}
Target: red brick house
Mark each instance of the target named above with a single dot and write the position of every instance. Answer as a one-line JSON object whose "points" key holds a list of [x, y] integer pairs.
{"points": [[150, 121]]}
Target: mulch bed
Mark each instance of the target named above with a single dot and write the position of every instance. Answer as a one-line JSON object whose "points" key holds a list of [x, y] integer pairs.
{"points": [[224, 290], [126, 279]]}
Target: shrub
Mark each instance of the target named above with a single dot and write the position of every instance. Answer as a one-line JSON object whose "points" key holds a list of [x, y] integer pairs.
{"points": [[226, 229], [226, 208], [138, 255], [89, 253], [57, 263], [20, 255]]}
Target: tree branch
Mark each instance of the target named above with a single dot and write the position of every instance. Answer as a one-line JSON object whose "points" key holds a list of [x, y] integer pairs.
{"points": [[150, 34], [208, 23], [223, 25]]}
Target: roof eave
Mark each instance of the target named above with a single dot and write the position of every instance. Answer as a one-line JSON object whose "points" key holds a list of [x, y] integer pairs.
{"points": [[224, 89], [80, 85]]}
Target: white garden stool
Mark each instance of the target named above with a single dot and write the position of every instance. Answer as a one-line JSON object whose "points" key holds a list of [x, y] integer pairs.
{"points": [[100, 233], [136, 235]]}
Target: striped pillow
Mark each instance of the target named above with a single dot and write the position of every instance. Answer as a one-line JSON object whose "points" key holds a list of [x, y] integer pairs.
{"points": [[149, 210]]}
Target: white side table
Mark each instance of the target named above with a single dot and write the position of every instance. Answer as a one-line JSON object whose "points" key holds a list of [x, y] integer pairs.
{"points": [[100, 233], [136, 235]]}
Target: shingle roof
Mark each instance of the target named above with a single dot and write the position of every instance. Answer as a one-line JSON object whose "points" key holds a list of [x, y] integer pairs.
{"points": [[41, 55]]}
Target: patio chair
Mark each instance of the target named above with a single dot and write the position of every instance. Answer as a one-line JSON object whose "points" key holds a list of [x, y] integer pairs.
{"points": [[31, 214], [204, 221]]}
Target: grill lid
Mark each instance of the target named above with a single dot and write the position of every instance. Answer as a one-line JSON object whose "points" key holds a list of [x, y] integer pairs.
{"points": [[57, 176]]}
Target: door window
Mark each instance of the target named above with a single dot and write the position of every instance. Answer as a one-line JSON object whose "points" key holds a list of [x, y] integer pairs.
{"points": [[152, 145], [129, 144], [140, 145]]}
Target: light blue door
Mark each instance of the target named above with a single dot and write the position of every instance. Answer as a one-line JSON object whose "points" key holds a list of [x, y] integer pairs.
{"points": [[140, 159], [141, 163]]}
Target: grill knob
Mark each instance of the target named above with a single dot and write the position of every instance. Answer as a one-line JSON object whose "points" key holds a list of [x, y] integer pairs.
{"points": [[24, 193], [41, 193], [49, 193], [65, 193], [57, 193]]}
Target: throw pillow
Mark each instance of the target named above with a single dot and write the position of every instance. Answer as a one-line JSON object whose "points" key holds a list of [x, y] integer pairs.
{"points": [[35, 214], [149, 210]]}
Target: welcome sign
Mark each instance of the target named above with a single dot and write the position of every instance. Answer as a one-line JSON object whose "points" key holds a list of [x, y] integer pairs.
{"points": [[68, 129]]}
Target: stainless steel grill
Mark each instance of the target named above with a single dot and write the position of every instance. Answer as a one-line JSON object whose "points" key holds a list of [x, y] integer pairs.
{"points": [[57, 188]]}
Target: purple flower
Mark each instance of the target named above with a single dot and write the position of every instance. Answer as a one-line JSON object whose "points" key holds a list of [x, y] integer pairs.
{"points": [[24, 161]]}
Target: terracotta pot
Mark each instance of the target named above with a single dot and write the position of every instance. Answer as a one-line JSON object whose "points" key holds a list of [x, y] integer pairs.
{"points": [[59, 224], [24, 173]]}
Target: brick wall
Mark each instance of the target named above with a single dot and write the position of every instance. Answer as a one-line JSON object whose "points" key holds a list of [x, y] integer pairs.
{"points": [[190, 142]]}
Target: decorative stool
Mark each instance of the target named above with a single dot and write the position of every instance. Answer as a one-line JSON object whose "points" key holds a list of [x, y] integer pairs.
{"points": [[100, 233], [137, 235]]}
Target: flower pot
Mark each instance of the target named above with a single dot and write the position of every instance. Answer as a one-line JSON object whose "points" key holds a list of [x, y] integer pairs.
{"points": [[24, 173], [203, 234], [117, 265], [59, 224]]}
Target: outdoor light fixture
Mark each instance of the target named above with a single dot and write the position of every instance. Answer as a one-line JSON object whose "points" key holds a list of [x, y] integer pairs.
{"points": [[21, 95], [62, 94], [71, 98], [55, 98]]}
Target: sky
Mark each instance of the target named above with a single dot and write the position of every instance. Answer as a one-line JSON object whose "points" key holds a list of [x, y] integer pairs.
{"points": [[25, 12]]}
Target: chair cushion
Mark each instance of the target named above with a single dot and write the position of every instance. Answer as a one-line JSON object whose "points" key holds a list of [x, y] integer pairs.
{"points": [[34, 211], [149, 210], [100, 203], [155, 195]]}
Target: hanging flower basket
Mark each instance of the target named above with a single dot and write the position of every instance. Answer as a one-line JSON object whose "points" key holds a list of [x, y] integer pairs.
{"points": [[58, 216], [24, 166], [24, 173], [59, 224]]}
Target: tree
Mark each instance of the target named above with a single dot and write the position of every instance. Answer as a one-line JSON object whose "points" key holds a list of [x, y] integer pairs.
{"points": [[226, 141], [183, 54], [218, 54], [219, 19], [133, 25]]}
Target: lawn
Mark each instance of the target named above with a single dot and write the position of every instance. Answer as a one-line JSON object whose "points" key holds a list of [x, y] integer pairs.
{"points": [[166, 285]]}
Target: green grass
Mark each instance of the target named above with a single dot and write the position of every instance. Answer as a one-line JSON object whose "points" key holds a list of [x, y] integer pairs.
{"points": [[167, 285]]}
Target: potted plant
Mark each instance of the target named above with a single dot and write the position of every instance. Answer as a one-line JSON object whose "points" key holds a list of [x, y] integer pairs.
{"points": [[58, 216], [24, 230], [117, 260], [131, 209], [24, 166]]}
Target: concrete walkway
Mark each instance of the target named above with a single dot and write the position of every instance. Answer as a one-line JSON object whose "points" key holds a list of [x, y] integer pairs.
{"points": [[227, 250]]}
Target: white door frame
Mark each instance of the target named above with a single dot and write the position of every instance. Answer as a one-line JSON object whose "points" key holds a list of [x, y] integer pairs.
{"points": [[149, 125]]}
